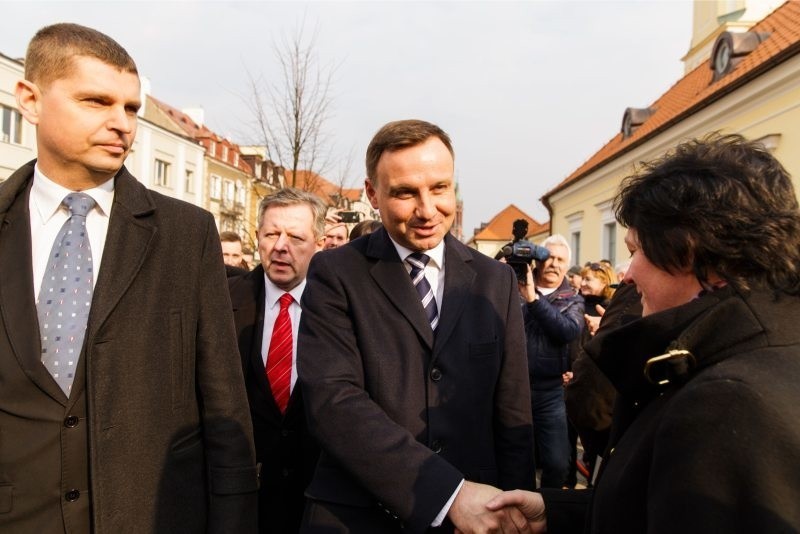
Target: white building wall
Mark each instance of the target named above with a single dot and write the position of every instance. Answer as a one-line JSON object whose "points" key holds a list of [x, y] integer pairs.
{"points": [[12, 154]]}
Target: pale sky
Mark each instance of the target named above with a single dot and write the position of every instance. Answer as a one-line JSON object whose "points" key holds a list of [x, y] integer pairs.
{"points": [[527, 90]]}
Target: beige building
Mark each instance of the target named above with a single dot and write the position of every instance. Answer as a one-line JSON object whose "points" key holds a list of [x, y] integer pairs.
{"points": [[743, 76], [17, 136], [226, 176]]}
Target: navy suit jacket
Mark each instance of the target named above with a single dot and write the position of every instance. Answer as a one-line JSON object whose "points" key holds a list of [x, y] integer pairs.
{"points": [[401, 414]]}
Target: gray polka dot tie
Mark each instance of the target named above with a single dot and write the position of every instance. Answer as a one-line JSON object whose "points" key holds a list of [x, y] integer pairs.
{"points": [[65, 296]]}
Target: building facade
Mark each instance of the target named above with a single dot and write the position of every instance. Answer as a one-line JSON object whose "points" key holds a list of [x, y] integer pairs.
{"points": [[17, 136], [748, 83]]}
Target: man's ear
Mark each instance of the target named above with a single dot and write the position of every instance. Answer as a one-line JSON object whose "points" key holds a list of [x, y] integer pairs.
{"points": [[371, 193], [29, 98]]}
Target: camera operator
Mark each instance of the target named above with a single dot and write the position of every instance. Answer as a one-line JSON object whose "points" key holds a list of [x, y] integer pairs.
{"points": [[553, 316]]}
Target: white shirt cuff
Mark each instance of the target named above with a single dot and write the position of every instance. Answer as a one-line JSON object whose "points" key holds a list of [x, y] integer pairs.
{"points": [[439, 518]]}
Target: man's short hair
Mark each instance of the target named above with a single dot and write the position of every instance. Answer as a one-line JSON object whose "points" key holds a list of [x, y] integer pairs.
{"points": [[560, 240], [721, 203], [290, 196], [230, 237], [51, 51], [398, 135]]}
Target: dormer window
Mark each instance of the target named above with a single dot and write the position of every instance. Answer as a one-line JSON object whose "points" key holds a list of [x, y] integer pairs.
{"points": [[731, 48], [633, 118]]}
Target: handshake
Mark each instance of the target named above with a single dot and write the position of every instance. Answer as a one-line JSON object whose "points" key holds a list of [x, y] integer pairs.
{"points": [[479, 508]]}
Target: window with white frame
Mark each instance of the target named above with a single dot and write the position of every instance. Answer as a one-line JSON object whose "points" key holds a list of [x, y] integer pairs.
{"points": [[575, 245], [11, 124], [189, 181], [215, 191], [610, 242], [161, 175], [609, 231], [575, 222], [229, 189], [241, 194]]}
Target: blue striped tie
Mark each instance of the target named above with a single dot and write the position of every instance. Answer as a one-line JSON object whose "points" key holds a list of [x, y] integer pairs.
{"points": [[65, 296], [418, 261]]}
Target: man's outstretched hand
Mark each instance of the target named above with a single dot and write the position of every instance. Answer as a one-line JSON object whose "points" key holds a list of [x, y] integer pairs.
{"points": [[530, 504], [471, 515]]}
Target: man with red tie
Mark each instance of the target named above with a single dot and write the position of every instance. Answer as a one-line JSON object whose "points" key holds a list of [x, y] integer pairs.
{"points": [[266, 307]]}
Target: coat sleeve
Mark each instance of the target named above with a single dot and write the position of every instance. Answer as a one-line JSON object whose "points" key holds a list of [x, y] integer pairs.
{"points": [[380, 455], [227, 429], [513, 428], [561, 327], [566, 510]]}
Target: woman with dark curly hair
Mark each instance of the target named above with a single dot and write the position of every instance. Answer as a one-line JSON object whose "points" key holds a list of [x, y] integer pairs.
{"points": [[705, 435]]}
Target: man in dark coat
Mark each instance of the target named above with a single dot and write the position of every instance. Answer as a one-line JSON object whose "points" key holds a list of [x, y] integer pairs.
{"points": [[290, 232], [140, 425], [705, 435], [416, 388]]}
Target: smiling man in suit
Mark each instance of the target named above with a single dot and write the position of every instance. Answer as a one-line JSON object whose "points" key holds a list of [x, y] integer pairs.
{"points": [[122, 407], [412, 360], [266, 309]]}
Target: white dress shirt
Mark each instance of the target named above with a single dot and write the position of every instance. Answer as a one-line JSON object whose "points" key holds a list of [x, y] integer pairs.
{"points": [[272, 306], [48, 214]]}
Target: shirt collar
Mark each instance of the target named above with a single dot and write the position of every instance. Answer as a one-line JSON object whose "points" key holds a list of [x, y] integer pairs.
{"points": [[48, 195], [274, 293], [436, 254]]}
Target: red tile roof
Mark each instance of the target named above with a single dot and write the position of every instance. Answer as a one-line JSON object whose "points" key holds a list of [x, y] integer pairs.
{"points": [[204, 135], [499, 228], [695, 90], [314, 183]]}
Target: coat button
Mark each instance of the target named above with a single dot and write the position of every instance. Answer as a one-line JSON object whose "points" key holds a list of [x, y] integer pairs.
{"points": [[436, 374], [72, 495], [71, 421]]}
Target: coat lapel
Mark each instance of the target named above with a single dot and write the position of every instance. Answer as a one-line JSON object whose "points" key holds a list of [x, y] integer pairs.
{"points": [[17, 299], [248, 311], [130, 232], [458, 280], [394, 281]]}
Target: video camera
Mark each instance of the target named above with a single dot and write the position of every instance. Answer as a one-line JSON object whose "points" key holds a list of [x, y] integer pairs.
{"points": [[520, 252]]}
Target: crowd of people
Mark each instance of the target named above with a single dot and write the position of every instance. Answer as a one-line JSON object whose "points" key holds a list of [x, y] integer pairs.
{"points": [[388, 378]]}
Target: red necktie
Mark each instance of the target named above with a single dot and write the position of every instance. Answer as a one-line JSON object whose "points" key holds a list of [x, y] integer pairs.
{"points": [[279, 357]]}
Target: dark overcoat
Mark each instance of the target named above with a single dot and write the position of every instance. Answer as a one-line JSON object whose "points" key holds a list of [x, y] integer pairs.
{"points": [[155, 436], [717, 448], [284, 447], [402, 414]]}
